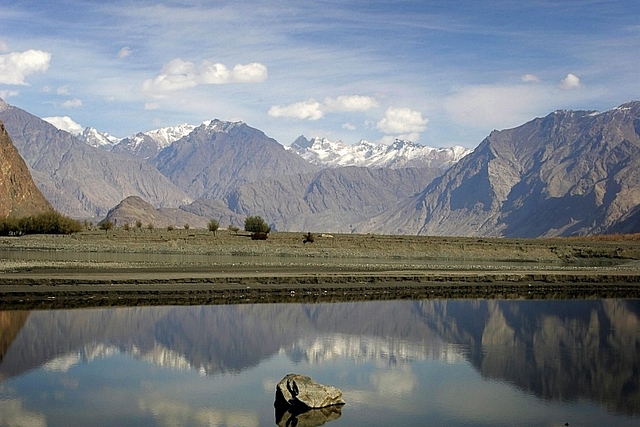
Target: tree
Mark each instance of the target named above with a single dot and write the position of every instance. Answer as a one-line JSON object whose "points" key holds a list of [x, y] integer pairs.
{"points": [[213, 226], [106, 225], [255, 224]]}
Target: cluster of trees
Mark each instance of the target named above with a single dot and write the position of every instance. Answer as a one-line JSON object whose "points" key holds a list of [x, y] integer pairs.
{"points": [[44, 223], [56, 223]]}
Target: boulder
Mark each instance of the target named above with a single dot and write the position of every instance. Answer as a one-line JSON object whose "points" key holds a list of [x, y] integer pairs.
{"points": [[301, 391]]}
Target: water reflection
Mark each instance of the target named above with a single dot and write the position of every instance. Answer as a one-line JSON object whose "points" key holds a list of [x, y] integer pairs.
{"points": [[459, 361]]}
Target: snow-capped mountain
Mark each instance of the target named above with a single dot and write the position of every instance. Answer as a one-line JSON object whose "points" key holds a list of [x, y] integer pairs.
{"points": [[146, 145], [95, 138], [401, 154]]}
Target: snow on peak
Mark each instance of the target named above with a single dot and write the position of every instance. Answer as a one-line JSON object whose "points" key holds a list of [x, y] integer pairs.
{"points": [[168, 135], [326, 153], [99, 139], [220, 126]]}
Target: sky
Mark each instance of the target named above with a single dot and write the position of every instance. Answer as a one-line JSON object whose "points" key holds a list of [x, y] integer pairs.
{"points": [[439, 73]]}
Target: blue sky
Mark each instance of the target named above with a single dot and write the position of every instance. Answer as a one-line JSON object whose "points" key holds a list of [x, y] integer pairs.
{"points": [[436, 72]]}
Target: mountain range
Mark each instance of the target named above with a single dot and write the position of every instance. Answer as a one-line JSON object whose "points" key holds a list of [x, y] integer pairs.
{"points": [[569, 173]]}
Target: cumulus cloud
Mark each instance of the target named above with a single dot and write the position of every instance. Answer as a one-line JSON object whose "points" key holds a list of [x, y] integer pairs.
{"points": [[309, 109], [4, 94], [124, 52], [314, 110], [16, 66], [65, 123], [179, 74], [570, 82], [402, 120], [72, 103], [345, 103], [530, 78]]}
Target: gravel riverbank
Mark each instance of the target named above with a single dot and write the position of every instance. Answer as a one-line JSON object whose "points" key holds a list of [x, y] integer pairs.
{"points": [[193, 267]]}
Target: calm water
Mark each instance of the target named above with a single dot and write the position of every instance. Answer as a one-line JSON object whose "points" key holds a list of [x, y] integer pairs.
{"points": [[405, 363]]}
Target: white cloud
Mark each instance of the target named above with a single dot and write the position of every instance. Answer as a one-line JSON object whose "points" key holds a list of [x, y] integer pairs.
{"points": [[4, 94], [72, 103], [310, 109], [15, 66], [570, 82], [350, 103], [179, 74], [348, 126], [403, 121], [125, 52], [63, 90], [151, 106], [65, 123], [314, 110], [530, 78]]}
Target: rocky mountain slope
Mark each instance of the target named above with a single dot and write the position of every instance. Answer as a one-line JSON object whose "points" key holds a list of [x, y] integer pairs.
{"points": [[571, 172], [133, 208], [218, 156], [80, 180], [330, 200], [19, 195], [401, 154]]}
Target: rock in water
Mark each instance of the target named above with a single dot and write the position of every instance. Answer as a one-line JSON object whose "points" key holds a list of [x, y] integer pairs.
{"points": [[301, 391]]}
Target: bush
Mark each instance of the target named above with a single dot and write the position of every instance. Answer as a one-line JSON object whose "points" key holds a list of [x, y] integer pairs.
{"points": [[255, 224], [44, 223], [213, 226], [186, 226], [106, 225], [138, 224], [233, 229], [170, 227]]}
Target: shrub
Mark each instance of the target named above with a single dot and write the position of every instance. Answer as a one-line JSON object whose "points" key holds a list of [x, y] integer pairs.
{"points": [[255, 224], [44, 223], [186, 226], [138, 224], [233, 229], [169, 227], [106, 225], [150, 226], [213, 226], [126, 227]]}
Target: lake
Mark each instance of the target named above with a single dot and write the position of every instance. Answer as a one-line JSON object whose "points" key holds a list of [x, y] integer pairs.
{"points": [[418, 363]]}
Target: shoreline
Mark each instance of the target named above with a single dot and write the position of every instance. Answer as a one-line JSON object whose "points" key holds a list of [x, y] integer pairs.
{"points": [[344, 268]]}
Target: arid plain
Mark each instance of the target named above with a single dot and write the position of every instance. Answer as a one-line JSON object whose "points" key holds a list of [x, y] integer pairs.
{"points": [[160, 266]]}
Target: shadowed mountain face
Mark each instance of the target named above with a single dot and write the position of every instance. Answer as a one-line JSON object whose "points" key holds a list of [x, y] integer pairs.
{"points": [[80, 180], [555, 349], [570, 173], [19, 195]]}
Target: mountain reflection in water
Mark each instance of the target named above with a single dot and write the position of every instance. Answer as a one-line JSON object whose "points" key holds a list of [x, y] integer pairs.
{"points": [[558, 351]]}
